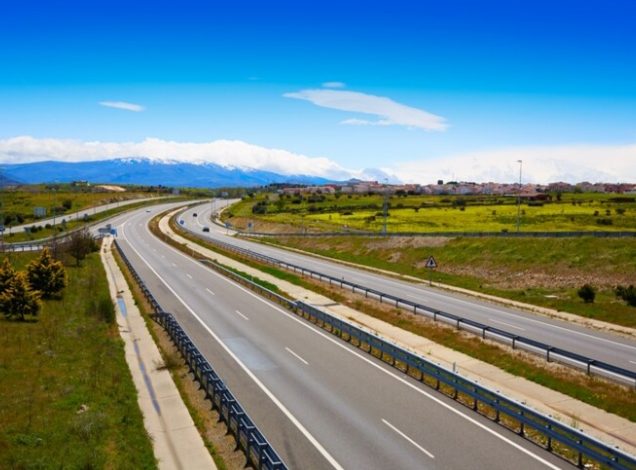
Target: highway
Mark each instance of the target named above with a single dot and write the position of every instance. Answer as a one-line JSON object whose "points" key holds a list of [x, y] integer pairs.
{"points": [[319, 401], [79, 214], [613, 349]]}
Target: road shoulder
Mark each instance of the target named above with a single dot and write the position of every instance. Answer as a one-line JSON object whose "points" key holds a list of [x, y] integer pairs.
{"points": [[176, 441]]}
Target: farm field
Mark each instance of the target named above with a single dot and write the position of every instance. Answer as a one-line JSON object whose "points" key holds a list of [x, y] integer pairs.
{"points": [[573, 212]]}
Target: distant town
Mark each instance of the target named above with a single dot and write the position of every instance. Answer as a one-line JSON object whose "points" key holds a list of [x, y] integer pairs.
{"points": [[527, 190]]}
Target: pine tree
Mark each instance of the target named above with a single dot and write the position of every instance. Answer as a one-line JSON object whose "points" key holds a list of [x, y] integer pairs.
{"points": [[18, 299], [46, 275], [6, 274]]}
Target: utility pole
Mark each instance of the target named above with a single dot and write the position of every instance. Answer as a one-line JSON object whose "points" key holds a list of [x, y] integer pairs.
{"points": [[385, 205], [520, 162]]}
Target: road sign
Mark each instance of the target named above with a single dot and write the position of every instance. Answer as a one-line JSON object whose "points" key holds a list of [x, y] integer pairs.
{"points": [[430, 263]]}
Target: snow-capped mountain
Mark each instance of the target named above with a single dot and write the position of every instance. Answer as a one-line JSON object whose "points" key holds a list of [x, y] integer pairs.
{"points": [[147, 172]]}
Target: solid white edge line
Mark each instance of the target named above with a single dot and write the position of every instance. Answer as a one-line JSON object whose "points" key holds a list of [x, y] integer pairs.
{"points": [[241, 315], [260, 384], [296, 356], [210, 291], [360, 356], [506, 324], [408, 438]]}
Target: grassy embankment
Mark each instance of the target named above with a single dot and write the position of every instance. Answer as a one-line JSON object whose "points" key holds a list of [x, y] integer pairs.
{"points": [[542, 271], [599, 393], [68, 399]]}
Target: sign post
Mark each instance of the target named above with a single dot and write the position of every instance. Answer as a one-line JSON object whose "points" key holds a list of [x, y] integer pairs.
{"points": [[431, 265]]}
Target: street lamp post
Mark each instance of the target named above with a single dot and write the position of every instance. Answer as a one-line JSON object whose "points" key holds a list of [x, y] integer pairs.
{"points": [[385, 205], [520, 162]]}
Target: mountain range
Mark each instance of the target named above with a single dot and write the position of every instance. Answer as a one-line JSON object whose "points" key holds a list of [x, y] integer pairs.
{"points": [[144, 171]]}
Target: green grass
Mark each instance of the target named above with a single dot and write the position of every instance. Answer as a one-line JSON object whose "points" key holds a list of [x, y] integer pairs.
{"points": [[575, 212], [49, 368], [545, 272]]}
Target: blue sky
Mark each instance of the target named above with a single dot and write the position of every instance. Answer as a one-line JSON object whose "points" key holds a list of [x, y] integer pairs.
{"points": [[423, 90]]}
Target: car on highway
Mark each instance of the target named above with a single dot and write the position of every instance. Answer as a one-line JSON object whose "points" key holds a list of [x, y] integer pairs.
{"points": [[194, 214], [206, 229]]}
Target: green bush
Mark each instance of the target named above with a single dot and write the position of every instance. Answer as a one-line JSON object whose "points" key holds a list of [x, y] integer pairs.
{"points": [[587, 293], [628, 294]]}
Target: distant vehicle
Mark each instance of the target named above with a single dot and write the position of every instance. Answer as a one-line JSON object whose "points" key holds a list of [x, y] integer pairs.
{"points": [[147, 210], [194, 215], [206, 229], [182, 221]]}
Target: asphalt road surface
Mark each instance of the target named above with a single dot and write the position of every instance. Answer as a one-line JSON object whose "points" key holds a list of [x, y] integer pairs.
{"points": [[319, 401], [606, 347]]}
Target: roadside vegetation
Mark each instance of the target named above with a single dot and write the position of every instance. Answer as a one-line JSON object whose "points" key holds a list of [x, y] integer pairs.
{"points": [[68, 400]]}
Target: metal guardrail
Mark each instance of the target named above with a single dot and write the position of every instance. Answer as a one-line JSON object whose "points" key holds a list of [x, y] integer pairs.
{"points": [[361, 233], [560, 439], [259, 452], [550, 353]]}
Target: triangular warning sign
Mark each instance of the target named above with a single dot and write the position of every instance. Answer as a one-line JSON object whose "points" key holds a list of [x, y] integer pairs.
{"points": [[430, 263]]}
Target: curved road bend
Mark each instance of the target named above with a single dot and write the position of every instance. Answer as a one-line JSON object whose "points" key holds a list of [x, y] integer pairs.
{"points": [[607, 347], [320, 402]]}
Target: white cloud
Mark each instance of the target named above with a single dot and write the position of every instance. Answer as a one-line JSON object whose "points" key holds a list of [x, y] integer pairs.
{"points": [[122, 105], [227, 153], [333, 85], [569, 163], [389, 111], [363, 122]]}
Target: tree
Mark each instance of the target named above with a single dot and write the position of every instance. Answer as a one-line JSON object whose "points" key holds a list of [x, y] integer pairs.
{"points": [[81, 244], [587, 293], [46, 275], [18, 299], [7, 273]]}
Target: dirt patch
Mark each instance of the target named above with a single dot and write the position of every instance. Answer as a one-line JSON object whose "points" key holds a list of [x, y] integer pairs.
{"points": [[559, 277], [110, 187], [407, 242]]}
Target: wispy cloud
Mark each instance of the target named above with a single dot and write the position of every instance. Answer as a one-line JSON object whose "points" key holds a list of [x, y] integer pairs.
{"points": [[388, 111], [333, 85], [122, 105]]}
